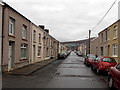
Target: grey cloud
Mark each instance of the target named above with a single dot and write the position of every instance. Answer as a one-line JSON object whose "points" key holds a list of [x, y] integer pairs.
{"points": [[67, 19]]}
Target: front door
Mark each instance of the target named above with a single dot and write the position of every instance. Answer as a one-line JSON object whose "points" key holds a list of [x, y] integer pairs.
{"points": [[34, 54], [10, 58]]}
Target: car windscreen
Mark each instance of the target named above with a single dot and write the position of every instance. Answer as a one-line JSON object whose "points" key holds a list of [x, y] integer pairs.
{"points": [[92, 56], [110, 60]]}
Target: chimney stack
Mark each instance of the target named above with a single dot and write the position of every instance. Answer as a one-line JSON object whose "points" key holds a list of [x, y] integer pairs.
{"points": [[47, 30], [41, 26]]}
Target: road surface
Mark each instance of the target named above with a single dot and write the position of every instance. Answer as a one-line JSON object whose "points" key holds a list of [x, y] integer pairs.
{"points": [[68, 73]]}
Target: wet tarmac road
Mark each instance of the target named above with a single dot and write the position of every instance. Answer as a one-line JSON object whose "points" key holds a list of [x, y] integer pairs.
{"points": [[68, 73], [72, 73]]}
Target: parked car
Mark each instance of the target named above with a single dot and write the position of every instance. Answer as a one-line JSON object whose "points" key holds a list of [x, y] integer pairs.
{"points": [[62, 55], [89, 59], [103, 64], [114, 77], [68, 53], [79, 54]]}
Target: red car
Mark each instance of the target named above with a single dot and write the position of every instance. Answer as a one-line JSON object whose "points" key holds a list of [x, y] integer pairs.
{"points": [[89, 59], [103, 64], [114, 77]]}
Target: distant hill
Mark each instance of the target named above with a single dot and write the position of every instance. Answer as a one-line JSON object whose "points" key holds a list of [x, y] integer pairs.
{"points": [[77, 42], [72, 45]]}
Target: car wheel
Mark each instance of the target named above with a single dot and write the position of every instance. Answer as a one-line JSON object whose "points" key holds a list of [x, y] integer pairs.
{"points": [[110, 82], [98, 71], [92, 68]]}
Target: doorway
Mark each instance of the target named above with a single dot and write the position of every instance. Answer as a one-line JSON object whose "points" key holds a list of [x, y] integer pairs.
{"points": [[34, 54], [10, 55]]}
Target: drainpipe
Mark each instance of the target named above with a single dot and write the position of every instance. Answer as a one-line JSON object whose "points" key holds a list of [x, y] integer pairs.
{"points": [[1, 37], [30, 43], [1, 44]]}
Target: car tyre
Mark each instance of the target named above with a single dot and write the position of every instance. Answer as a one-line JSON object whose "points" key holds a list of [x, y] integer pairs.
{"points": [[110, 82], [98, 71], [92, 68]]}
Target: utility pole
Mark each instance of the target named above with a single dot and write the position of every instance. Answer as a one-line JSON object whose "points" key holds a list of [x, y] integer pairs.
{"points": [[89, 40]]}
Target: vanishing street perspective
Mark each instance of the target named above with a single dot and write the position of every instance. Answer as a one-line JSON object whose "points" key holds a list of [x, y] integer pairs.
{"points": [[50, 44]]}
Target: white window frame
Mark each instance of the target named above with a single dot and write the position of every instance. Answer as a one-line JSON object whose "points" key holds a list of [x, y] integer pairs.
{"points": [[106, 36], [108, 32], [11, 26], [115, 32], [39, 38], [34, 35], [114, 50], [47, 52], [101, 37], [24, 47], [39, 51], [24, 32], [105, 50]]}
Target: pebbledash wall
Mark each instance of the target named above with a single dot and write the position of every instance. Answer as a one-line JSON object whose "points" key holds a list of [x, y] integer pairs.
{"points": [[24, 43]]}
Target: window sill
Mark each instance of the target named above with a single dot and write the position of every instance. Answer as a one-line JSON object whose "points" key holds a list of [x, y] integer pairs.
{"points": [[34, 41], [114, 56], [108, 40], [11, 35], [38, 56], [24, 39], [23, 59], [115, 38]]}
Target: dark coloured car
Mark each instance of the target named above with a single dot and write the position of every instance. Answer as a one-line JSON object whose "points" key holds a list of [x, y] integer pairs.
{"points": [[114, 77], [89, 59], [62, 55], [79, 54], [103, 64], [68, 53]]}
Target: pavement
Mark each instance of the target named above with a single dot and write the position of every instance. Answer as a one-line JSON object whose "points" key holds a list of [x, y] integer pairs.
{"points": [[27, 70]]}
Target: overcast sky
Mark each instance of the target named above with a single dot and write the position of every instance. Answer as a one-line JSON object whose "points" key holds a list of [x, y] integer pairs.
{"points": [[68, 20]]}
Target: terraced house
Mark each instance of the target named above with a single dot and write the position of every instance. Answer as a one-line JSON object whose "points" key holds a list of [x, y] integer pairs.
{"points": [[23, 42], [37, 44], [53, 47], [16, 39], [109, 42], [62, 48]]}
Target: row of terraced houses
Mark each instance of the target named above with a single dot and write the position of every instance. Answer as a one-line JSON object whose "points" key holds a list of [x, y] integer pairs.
{"points": [[22, 42], [108, 42]]}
